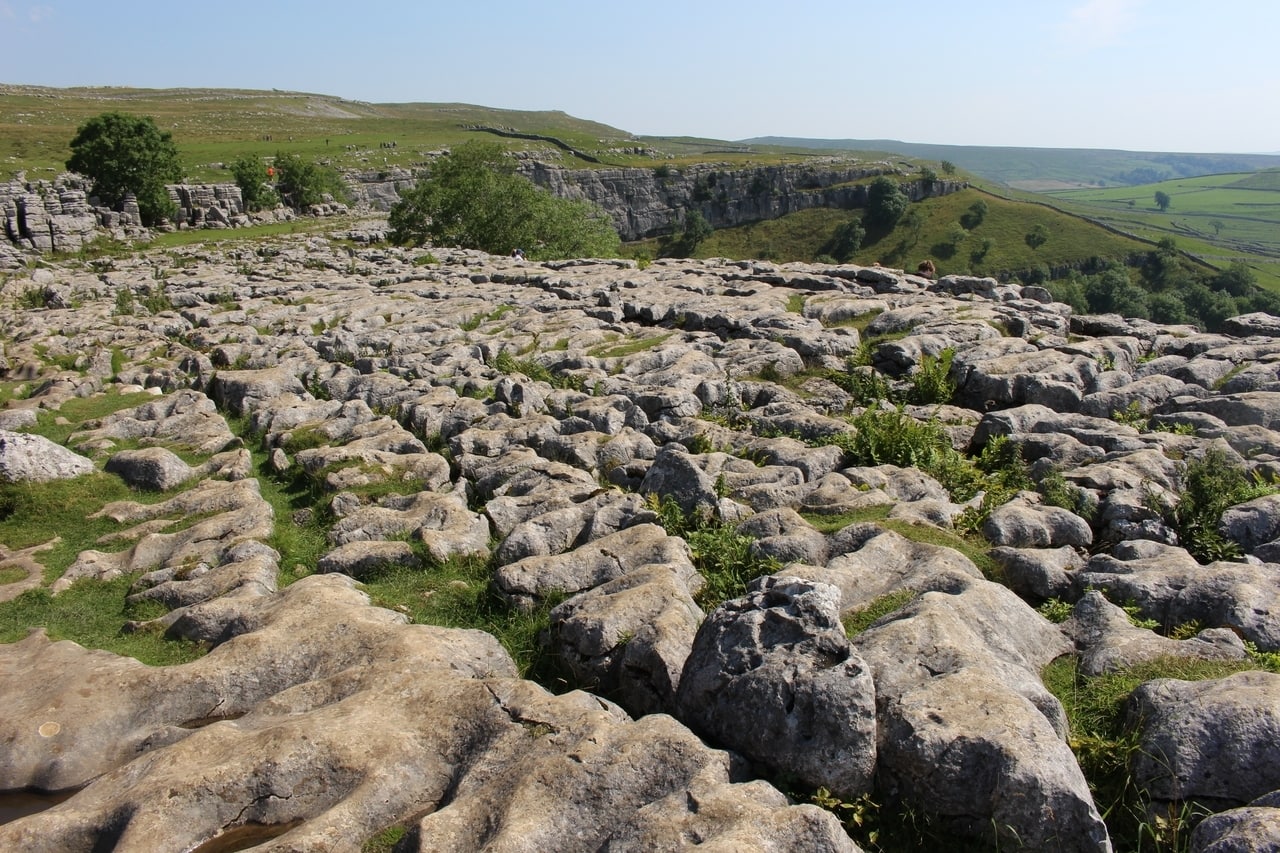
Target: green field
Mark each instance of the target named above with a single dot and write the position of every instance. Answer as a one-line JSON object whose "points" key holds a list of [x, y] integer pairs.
{"points": [[1042, 169], [1218, 218], [212, 127]]}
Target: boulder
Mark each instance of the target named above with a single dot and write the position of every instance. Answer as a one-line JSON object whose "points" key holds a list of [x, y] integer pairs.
{"points": [[1248, 829], [153, 469], [772, 676], [628, 638], [28, 458], [1026, 523], [1107, 640], [1214, 742], [966, 729]]}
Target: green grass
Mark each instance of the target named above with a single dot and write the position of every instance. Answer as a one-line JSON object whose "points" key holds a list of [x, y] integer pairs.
{"points": [[622, 350], [1218, 218], [11, 574], [93, 613], [861, 619], [1104, 747], [213, 127], [800, 237], [77, 410], [458, 594], [41, 512]]}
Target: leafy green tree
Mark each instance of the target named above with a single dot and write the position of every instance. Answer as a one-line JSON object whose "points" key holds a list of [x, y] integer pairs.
{"points": [[1111, 292], [974, 216], [1162, 200], [928, 176], [251, 177], [1163, 269], [1070, 291], [846, 240], [886, 204], [695, 230], [125, 154], [1237, 279], [302, 183], [948, 168], [474, 199], [1037, 236]]}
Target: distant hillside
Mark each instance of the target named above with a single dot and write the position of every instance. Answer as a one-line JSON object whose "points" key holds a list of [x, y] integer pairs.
{"points": [[215, 126], [1044, 169]]}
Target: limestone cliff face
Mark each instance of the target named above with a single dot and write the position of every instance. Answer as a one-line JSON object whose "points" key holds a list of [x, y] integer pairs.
{"points": [[46, 215], [650, 202]]}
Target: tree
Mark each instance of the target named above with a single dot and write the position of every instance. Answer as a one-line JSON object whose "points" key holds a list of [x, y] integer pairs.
{"points": [[474, 199], [125, 154], [948, 168], [1111, 292], [250, 176], [696, 229], [1237, 279], [1037, 236], [1162, 200], [302, 184], [974, 216], [846, 240], [886, 203]]}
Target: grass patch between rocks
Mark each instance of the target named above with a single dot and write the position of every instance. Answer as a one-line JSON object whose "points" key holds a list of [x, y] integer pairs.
{"points": [[1103, 746], [94, 613], [458, 594]]}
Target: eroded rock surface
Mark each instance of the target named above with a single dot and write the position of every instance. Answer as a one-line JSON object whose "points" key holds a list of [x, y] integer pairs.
{"points": [[545, 420]]}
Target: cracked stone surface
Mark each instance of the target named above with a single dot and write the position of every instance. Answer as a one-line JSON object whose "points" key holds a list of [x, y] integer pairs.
{"points": [[537, 415]]}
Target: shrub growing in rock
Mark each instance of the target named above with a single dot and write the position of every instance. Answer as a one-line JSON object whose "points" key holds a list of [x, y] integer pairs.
{"points": [[1212, 484], [303, 184], [250, 176], [474, 199]]}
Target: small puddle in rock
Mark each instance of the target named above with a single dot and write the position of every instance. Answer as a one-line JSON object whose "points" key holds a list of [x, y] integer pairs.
{"points": [[246, 836], [16, 804]]}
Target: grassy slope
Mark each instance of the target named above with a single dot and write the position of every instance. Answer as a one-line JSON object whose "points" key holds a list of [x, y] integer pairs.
{"points": [[1041, 168], [800, 238], [1220, 218], [215, 126], [212, 127]]}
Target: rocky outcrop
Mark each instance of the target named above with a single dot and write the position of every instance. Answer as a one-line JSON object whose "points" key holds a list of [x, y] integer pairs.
{"points": [[48, 216], [651, 202], [530, 438]]}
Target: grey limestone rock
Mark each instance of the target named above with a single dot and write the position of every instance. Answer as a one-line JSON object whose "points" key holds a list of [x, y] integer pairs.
{"points": [[628, 638], [1038, 574], [1252, 523], [1248, 829], [532, 578], [1212, 741], [35, 459], [150, 468], [364, 560], [1168, 585], [1026, 523], [967, 730], [772, 676], [1107, 640]]}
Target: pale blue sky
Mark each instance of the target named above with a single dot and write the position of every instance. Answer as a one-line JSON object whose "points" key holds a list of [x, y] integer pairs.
{"points": [[1165, 75]]}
